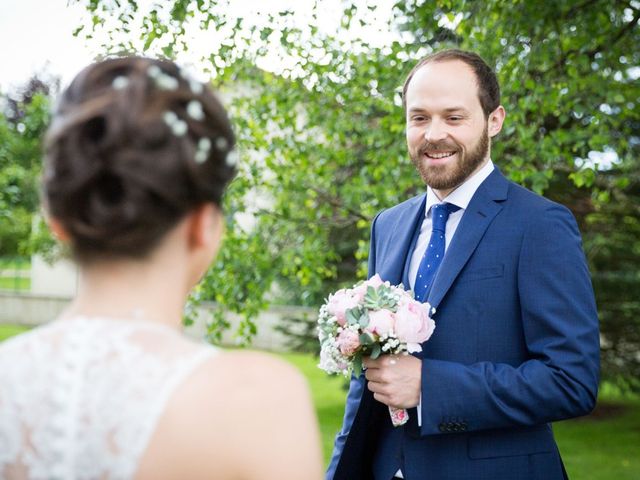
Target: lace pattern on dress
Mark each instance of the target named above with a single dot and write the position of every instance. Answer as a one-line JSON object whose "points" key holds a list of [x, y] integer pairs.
{"points": [[80, 398]]}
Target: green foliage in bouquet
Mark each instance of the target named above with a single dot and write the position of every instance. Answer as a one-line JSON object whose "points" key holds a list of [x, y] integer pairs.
{"points": [[380, 298]]}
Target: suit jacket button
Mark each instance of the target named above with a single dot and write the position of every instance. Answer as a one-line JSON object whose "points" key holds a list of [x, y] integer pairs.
{"points": [[463, 426], [442, 427]]}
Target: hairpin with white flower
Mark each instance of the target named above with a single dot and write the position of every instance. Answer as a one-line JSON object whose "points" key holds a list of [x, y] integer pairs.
{"points": [[230, 156], [203, 146], [178, 126], [120, 82], [163, 80], [194, 110], [196, 87]]}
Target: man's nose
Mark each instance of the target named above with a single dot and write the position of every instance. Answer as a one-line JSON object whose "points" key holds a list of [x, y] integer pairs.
{"points": [[435, 132]]}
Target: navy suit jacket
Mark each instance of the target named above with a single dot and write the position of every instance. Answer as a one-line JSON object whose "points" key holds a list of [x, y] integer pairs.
{"points": [[516, 345]]}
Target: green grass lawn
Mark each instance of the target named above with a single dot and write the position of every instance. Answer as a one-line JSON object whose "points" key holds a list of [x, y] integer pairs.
{"points": [[602, 446], [329, 394], [11, 281], [15, 283], [605, 444], [7, 331]]}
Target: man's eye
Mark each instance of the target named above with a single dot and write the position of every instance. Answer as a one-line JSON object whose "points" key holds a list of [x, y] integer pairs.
{"points": [[455, 118]]}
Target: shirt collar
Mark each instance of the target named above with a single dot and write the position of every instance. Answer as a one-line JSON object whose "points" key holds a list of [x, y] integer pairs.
{"points": [[463, 194]]}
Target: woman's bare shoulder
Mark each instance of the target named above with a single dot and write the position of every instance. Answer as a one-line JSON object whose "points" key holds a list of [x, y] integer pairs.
{"points": [[229, 411]]}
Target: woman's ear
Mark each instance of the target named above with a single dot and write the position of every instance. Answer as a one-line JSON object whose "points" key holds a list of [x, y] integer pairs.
{"points": [[58, 229], [205, 226]]}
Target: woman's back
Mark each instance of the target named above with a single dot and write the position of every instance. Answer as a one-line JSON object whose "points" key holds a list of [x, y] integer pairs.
{"points": [[80, 398]]}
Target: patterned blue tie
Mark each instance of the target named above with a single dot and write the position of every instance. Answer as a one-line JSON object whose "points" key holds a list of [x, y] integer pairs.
{"points": [[435, 249]]}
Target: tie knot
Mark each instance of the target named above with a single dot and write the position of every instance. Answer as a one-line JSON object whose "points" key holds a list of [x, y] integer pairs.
{"points": [[440, 214]]}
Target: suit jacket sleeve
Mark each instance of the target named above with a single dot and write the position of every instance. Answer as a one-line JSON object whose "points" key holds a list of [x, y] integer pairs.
{"points": [[559, 379], [356, 386]]}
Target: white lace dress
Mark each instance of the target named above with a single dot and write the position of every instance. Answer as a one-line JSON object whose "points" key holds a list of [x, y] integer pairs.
{"points": [[80, 398]]}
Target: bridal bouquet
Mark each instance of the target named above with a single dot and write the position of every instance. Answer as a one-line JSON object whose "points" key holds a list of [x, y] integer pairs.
{"points": [[371, 319]]}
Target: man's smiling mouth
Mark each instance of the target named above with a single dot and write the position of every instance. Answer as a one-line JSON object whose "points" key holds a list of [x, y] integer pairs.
{"points": [[439, 155]]}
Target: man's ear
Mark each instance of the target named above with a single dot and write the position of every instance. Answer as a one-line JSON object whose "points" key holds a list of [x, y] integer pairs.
{"points": [[58, 229], [496, 119]]}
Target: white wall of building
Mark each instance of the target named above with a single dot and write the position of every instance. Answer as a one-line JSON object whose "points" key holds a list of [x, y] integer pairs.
{"points": [[59, 279], [34, 310]]}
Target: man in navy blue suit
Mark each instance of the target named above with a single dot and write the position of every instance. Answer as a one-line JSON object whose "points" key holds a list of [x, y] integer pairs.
{"points": [[516, 344]]}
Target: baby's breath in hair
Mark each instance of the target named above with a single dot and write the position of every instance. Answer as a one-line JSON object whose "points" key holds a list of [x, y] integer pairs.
{"points": [[203, 149], [194, 85], [162, 80], [178, 126], [232, 158], [194, 110], [120, 82]]}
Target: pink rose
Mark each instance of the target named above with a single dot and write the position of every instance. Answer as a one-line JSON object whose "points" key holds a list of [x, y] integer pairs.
{"points": [[348, 342], [374, 281], [360, 291], [413, 325], [381, 322], [339, 303], [405, 299]]}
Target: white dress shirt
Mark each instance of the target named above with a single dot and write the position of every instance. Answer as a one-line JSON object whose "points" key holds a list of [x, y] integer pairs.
{"points": [[460, 197]]}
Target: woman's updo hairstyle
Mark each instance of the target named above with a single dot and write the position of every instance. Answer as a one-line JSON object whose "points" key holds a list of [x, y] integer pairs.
{"points": [[134, 145]]}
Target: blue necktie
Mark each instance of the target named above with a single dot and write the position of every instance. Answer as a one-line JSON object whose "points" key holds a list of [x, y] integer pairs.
{"points": [[435, 249]]}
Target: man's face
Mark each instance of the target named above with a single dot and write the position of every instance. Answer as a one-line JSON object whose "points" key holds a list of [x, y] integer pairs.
{"points": [[447, 132]]}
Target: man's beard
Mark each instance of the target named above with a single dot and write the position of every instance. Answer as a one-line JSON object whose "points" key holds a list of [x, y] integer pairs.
{"points": [[447, 177]]}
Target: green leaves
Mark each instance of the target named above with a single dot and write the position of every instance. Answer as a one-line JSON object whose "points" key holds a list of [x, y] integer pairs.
{"points": [[353, 316], [357, 365], [321, 128], [22, 126], [366, 339], [357, 316], [380, 298], [584, 177]]}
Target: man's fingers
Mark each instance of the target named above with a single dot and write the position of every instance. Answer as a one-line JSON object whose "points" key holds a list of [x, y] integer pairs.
{"points": [[368, 362], [384, 371], [380, 362], [381, 392], [374, 375], [380, 398], [374, 386], [377, 387]]}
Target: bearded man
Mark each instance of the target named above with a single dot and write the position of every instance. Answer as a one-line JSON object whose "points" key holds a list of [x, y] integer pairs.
{"points": [[516, 344]]}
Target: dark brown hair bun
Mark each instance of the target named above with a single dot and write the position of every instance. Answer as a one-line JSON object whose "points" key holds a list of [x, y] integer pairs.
{"points": [[134, 145]]}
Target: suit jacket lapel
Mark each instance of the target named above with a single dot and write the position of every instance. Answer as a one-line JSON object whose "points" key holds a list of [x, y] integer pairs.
{"points": [[398, 243], [482, 209], [416, 222]]}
